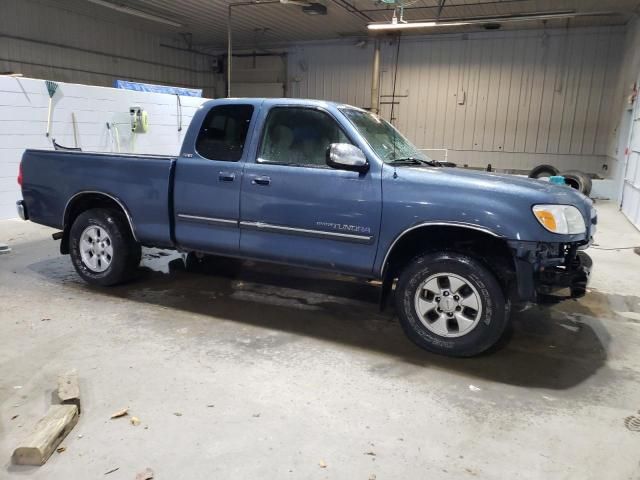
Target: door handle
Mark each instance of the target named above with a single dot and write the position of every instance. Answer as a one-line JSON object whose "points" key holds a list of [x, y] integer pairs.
{"points": [[261, 181], [226, 177]]}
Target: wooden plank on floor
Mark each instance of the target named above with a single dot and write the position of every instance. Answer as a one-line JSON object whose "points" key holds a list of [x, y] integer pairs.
{"points": [[46, 436], [69, 389]]}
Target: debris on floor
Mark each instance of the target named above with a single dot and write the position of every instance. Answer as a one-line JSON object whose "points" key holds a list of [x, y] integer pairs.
{"points": [[146, 474], [120, 413], [112, 470], [135, 421], [4, 248], [69, 389], [46, 436], [322, 464], [51, 429], [177, 414]]}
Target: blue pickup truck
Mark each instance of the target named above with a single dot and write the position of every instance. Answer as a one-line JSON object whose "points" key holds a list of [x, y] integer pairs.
{"points": [[325, 186]]}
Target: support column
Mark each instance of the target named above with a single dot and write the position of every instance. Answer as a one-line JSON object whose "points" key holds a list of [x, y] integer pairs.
{"points": [[375, 78]]}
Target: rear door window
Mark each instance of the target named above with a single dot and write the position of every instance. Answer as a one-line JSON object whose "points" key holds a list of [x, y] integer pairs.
{"points": [[224, 132]]}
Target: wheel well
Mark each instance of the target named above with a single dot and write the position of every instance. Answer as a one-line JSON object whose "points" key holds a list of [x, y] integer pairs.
{"points": [[82, 203], [492, 251]]}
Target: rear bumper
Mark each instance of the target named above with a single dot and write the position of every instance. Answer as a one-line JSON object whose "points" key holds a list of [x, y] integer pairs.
{"points": [[22, 210]]}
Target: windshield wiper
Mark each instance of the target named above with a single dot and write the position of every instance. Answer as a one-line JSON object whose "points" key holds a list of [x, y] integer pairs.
{"points": [[415, 161]]}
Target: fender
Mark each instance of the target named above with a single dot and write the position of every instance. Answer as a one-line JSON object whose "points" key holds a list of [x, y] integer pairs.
{"points": [[433, 224], [64, 245]]}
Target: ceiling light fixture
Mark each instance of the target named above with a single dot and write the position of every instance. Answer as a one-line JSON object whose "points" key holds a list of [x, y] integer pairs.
{"points": [[137, 13], [410, 25], [301, 3], [396, 24], [315, 9]]}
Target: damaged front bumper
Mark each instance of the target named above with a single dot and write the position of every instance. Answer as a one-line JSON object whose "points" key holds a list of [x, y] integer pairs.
{"points": [[547, 271]]}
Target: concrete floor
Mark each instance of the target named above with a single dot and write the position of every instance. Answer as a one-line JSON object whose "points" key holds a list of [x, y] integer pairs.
{"points": [[256, 371]]}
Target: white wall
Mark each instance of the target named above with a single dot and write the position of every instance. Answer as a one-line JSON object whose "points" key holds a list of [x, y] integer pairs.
{"points": [[530, 97], [23, 123], [46, 41]]}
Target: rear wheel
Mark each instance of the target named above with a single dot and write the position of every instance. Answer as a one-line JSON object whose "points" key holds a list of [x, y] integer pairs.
{"points": [[103, 250], [449, 303]]}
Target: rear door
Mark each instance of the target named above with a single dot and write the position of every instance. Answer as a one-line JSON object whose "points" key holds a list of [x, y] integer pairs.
{"points": [[208, 178], [296, 209]]}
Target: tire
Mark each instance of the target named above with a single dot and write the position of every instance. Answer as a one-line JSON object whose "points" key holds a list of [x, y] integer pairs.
{"points": [[102, 268], [543, 171], [489, 321], [578, 180]]}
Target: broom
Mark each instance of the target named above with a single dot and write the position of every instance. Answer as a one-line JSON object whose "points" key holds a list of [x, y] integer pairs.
{"points": [[51, 88]]}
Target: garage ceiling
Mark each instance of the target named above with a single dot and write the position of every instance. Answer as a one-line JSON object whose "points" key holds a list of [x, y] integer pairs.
{"points": [[258, 25]]}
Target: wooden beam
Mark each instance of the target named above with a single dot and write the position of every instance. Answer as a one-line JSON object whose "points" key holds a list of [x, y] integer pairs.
{"points": [[46, 436], [69, 389]]}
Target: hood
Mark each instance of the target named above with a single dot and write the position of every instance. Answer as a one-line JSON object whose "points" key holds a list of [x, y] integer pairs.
{"points": [[484, 198], [538, 191]]}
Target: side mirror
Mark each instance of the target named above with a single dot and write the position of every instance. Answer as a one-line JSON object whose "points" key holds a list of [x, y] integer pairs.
{"points": [[344, 156]]}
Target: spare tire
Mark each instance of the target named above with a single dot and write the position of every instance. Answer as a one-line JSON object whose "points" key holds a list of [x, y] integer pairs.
{"points": [[578, 180], [543, 171]]}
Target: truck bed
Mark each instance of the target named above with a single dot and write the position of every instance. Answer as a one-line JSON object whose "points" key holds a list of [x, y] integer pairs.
{"points": [[141, 182]]}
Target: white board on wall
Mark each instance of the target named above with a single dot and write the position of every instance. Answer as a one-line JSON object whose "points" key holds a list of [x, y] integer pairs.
{"points": [[23, 124]]}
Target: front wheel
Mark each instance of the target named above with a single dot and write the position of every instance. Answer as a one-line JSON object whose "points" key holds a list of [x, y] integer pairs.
{"points": [[103, 250], [451, 304]]}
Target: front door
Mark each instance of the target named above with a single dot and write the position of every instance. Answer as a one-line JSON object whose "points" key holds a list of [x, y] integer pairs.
{"points": [[296, 209], [207, 181]]}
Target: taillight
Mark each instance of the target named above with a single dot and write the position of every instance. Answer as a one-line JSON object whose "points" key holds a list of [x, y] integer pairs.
{"points": [[20, 174]]}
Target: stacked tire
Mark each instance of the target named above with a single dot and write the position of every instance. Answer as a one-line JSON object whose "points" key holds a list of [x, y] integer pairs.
{"points": [[573, 178], [578, 180]]}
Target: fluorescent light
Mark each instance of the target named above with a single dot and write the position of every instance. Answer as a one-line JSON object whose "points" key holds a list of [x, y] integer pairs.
{"points": [[410, 25], [302, 3], [137, 13], [398, 25]]}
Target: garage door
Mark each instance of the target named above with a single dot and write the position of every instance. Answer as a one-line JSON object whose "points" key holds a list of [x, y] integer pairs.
{"points": [[631, 185]]}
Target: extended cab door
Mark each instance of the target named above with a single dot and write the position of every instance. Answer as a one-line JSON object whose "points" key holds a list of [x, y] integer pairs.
{"points": [[208, 177], [295, 208]]}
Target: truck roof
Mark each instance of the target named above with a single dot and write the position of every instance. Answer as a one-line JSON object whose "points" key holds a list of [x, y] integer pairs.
{"points": [[279, 101]]}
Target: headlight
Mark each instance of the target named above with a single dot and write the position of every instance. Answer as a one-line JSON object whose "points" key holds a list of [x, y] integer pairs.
{"points": [[565, 219]]}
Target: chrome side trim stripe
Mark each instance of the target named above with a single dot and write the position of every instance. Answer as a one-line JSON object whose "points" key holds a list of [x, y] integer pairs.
{"points": [[305, 231], [269, 227], [215, 221]]}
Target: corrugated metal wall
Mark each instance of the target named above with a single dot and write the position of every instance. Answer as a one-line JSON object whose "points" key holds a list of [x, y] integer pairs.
{"points": [[513, 99], [45, 42]]}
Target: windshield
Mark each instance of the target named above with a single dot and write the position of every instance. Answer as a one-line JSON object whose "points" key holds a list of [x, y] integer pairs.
{"points": [[384, 139]]}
